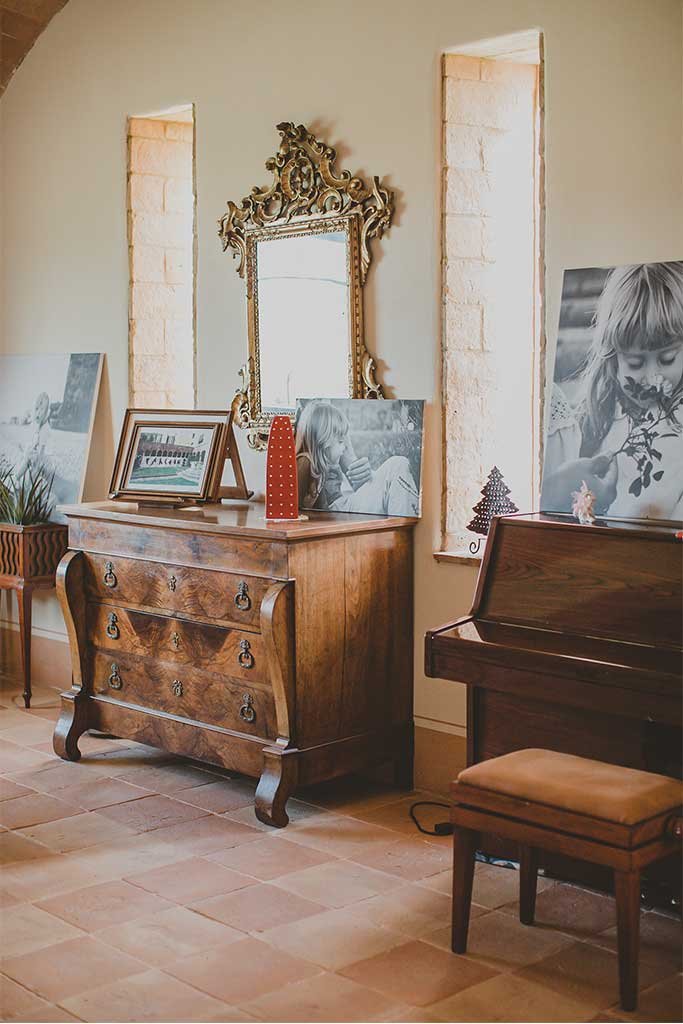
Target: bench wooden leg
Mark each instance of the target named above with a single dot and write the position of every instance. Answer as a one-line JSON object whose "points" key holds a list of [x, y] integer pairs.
{"points": [[528, 874], [464, 849], [627, 891]]}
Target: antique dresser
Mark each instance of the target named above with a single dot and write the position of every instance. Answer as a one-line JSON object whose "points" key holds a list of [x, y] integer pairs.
{"points": [[281, 651]]}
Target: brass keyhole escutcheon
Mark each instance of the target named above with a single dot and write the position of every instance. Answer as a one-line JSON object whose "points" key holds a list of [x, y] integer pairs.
{"points": [[115, 680], [175, 640], [112, 630], [245, 657], [242, 599], [109, 578], [172, 583], [177, 688], [247, 711]]}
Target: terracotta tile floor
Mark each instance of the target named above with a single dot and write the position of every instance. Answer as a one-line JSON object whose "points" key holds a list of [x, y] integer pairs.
{"points": [[139, 887]]}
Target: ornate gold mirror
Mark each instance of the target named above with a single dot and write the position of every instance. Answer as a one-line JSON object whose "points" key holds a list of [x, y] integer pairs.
{"points": [[304, 244]]}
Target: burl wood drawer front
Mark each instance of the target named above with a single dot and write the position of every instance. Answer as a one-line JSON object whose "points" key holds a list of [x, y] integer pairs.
{"points": [[229, 652], [226, 598], [185, 692]]}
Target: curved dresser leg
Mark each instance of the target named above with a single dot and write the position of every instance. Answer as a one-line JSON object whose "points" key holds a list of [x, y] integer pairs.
{"points": [[71, 725], [277, 782], [73, 721], [280, 771]]}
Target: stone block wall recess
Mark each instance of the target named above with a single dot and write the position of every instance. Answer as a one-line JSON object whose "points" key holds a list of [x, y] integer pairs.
{"points": [[161, 237], [491, 296]]}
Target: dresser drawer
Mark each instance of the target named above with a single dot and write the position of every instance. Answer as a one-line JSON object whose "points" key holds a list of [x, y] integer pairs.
{"points": [[230, 652], [183, 691], [224, 597]]}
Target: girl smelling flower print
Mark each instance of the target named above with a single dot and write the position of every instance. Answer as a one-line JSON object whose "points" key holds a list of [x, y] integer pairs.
{"points": [[624, 437]]}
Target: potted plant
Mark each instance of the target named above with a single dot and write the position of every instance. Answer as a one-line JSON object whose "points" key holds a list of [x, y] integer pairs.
{"points": [[31, 547]]}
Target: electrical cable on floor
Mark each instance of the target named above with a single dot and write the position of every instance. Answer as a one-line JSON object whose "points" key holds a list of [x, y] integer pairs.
{"points": [[442, 828], [445, 828]]}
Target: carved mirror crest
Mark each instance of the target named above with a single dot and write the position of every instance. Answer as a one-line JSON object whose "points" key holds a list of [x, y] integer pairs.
{"points": [[303, 243]]}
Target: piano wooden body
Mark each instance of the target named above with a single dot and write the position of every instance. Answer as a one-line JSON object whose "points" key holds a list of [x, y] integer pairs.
{"points": [[574, 643]]}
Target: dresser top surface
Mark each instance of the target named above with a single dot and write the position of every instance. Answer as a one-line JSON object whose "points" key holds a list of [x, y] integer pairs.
{"points": [[236, 517]]}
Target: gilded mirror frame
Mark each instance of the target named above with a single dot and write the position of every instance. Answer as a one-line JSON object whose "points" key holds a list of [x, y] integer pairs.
{"points": [[307, 196]]}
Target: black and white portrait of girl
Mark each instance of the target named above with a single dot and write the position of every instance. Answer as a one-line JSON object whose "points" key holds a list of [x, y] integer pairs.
{"points": [[616, 405], [47, 410], [358, 455]]}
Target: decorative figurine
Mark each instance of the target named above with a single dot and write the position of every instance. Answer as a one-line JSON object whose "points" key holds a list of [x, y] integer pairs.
{"points": [[584, 505], [282, 490], [495, 502]]}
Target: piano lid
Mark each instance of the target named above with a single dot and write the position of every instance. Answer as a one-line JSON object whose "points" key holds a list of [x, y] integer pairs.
{"points": [[589, 616], [618, 581]]}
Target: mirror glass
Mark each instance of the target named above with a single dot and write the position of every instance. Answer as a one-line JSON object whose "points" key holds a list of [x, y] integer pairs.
{"points": [[304, 340]]}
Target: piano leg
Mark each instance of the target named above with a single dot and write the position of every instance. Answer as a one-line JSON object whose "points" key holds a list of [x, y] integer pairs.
{"points": [[528, 874], [464, 850], [403, 764]]}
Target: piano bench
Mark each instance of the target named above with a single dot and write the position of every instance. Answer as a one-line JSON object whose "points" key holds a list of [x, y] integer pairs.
{"points": [[618, 817]]}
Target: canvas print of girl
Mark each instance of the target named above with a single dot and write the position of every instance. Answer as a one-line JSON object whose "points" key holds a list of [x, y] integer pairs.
{"points": [[358, 455], [47, 410], [617, 396]]}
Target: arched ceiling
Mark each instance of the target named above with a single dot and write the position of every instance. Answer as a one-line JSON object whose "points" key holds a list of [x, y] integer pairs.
{"points": [[21, 22]]}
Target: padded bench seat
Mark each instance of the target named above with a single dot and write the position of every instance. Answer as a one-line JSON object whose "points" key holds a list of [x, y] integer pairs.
{"points": [[544, 800]]}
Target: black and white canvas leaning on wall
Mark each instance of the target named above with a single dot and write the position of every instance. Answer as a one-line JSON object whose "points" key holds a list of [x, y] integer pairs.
{"points": [[616, 399], [47, 410], [359, 455]]}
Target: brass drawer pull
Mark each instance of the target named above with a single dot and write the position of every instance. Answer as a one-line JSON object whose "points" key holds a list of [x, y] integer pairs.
{"points": [[242, 599], [172, 582], [175, 640], [177, 688], [109, 578], [115, 680], [112, 630], [245, 658], [247, 711]]}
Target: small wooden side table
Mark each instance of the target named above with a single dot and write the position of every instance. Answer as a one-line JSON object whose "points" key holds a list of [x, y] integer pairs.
{"points": [[29, 556]]}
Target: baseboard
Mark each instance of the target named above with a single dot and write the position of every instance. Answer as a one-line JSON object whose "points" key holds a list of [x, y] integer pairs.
{"points": [[50, 658], [439, 756]]}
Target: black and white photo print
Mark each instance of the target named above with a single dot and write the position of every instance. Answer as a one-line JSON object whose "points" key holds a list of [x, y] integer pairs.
{"points": [[616, 399], [360, 455], [47, 410]]}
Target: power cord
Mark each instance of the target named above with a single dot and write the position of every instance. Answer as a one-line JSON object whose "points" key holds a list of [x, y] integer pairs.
{"points": [[445, 828], [442, 828]]}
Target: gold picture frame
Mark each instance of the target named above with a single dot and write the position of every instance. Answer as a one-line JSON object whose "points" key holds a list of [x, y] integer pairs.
{"points": [[306, 197]]}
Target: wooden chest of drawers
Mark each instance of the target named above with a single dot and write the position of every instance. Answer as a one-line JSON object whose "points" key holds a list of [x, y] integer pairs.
{"points": [[283, 651]]}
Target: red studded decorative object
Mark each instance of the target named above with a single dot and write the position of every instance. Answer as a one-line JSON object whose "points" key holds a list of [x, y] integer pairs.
{"points": [[282, 490]]}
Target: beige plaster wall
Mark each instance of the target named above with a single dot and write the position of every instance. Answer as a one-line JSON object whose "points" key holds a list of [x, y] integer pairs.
{"points": [[366, 77]]}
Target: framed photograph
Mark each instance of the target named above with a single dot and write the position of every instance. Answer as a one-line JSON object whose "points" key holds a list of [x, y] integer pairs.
{"points": [[360, 455], [170, 456], [616, 398], [47, 411]]}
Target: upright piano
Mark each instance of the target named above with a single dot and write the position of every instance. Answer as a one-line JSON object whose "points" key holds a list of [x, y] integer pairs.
{"points": [[574, 643]]}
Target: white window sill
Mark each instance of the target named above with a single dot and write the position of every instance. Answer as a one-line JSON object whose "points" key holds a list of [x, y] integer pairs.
{"points": [[458, 559]]}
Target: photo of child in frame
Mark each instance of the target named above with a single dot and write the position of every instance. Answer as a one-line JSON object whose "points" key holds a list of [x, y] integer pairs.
{"points": [[359, 455], [616, 402], [47, 411]]}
